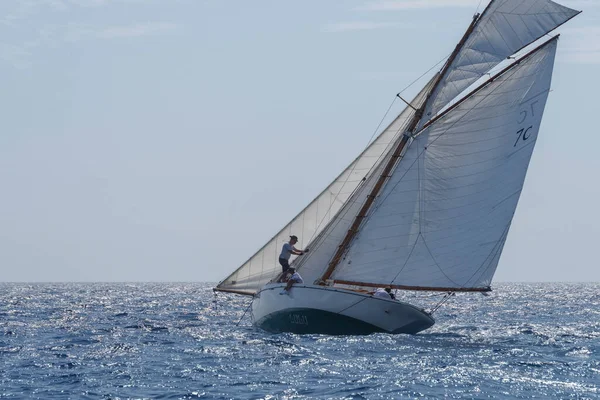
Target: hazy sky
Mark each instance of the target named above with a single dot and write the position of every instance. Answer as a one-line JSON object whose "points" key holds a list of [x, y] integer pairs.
{"points": [[167, 140]]}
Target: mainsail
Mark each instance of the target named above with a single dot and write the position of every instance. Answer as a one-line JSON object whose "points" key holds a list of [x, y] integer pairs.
{"points": [[504, 28], [442, 219], [327, 243], [432, 210], [311, 222]]}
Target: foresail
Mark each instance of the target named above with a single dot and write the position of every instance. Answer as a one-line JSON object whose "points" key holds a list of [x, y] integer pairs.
{"points": [[443, 217], [323, 248], [316, 217], [504, 28]]}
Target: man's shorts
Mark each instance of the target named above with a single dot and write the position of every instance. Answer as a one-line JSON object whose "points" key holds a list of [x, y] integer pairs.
{"points": [[285, 264]]}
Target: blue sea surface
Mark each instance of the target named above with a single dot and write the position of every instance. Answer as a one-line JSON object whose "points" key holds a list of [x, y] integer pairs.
{"points": [[174, 341]]}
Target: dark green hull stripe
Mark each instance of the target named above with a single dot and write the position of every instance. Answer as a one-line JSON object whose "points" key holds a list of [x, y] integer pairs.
{"points": [[307, 320]]}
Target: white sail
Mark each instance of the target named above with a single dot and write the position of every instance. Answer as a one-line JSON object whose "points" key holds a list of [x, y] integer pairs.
{"points": [[504, 28], [323, 248], [309, 223], [443, 217]]}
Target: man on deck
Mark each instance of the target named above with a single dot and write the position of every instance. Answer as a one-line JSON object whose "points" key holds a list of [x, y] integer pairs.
{"points": [[287, 250], [383, 293], [294, 278]]}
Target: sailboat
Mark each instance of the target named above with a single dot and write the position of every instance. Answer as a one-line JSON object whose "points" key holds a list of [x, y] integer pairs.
{"points": [[428, 205]]}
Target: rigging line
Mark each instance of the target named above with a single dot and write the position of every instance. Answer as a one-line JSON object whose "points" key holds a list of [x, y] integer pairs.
{"points": [[508, 75], [333, 223], [372, 170], [352, 305], [385, 154], [424, 73], [243, 315], [501, 77], [350, 172], [420, 192], [380, 122], [441, 89], [401, 128], [419, 234], [444, 300]]}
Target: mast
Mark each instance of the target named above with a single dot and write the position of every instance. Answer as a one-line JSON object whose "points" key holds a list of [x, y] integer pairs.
{"points": [[416, 288], [485, 84], [419, 114], [394, 159]]}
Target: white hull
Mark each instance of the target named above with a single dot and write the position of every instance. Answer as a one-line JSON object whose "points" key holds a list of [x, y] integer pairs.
{"points": [[334, 311]]}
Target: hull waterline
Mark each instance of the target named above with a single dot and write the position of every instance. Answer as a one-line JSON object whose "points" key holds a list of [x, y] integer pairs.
{"points": [[333, 311]]}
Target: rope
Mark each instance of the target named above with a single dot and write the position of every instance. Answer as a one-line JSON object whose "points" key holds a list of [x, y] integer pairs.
{"points": [[444, 300], [215, 303], [370, 142], [424, 73], [243, 315], [350, 174], [508, 76]]}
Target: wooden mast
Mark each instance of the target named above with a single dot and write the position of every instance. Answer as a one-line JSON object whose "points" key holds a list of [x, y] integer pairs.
{"points": [[486, 83], [416, 288], [483, 85], [393, 159]]}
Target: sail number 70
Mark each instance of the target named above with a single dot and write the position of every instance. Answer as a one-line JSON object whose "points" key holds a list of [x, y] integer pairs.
{"points": [[523, 133]]}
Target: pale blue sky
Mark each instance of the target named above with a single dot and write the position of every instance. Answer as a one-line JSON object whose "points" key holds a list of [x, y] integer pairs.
{"points": [[166, 140]]}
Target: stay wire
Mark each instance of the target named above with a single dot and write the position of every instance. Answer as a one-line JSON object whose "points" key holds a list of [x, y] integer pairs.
{"points": [[424, 73], [348, 177], [243, 315], [379, 126], [507, 76], [444, 300]]}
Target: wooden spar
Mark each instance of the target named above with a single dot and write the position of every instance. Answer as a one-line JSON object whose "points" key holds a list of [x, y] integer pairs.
{"points": [[418, 288], [354, 228], [365, 208], [393, 160], [244, 292], [419, 114], [486, 83], [407, 103], [553, 29], [382, 178]]}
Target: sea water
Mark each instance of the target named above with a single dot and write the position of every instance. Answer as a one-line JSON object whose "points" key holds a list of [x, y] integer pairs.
{"points": [[177, 341]]}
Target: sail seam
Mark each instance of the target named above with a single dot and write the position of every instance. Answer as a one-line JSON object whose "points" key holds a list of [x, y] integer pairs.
{"points": [[439, 239], [511, 28], [526, 25], [433, 141]]}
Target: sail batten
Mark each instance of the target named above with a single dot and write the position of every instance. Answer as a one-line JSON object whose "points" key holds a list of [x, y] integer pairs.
{"points": [[442, 220]]}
